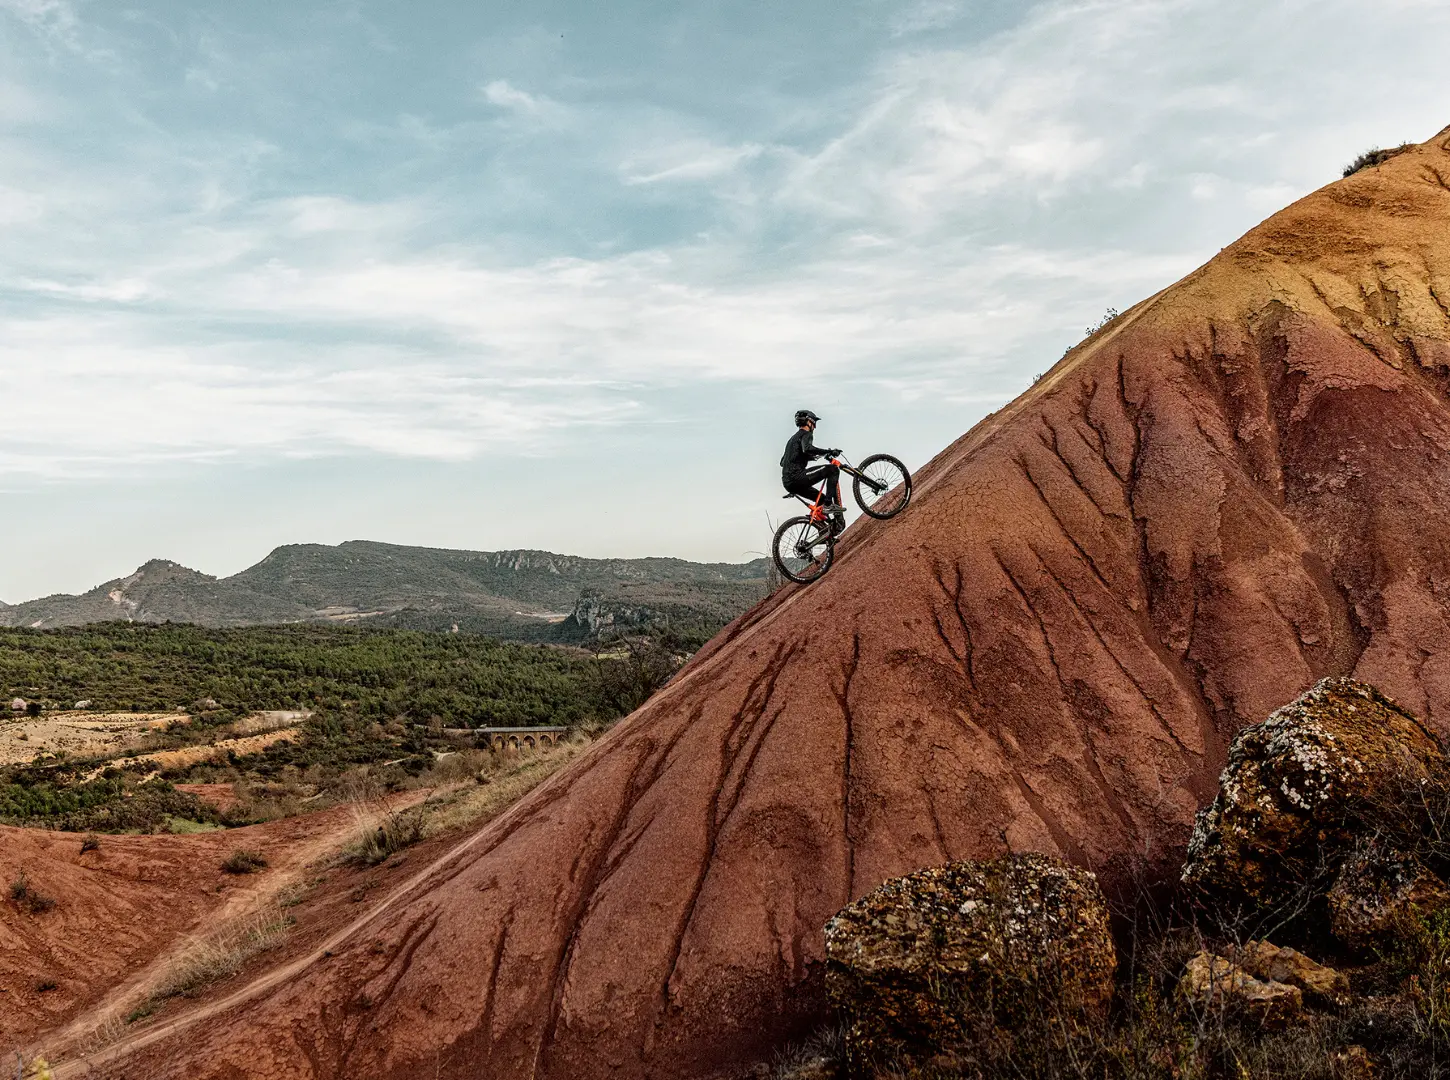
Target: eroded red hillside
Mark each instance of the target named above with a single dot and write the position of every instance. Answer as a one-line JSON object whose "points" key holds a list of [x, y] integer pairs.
{"points": [[1237, 487]]}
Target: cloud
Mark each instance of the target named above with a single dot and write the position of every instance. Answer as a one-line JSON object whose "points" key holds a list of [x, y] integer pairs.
{"points": [[506, 96], [111, 398], [926, 15], [689, 160], [308, 328], [55, 18]]}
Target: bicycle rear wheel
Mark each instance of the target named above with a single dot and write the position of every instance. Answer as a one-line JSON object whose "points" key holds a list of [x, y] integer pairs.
{"points": [[803, 549], [884, 487]]}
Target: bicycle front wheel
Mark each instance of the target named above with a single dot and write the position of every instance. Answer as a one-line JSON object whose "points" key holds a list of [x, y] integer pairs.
{"points": [[803, 549], [883, 487]]}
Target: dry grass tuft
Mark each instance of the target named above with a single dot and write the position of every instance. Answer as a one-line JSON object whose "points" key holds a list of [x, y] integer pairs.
{"points": [[25, 895], [470, 787], [106, 1032], [492, 789], [217, 957], [378, 840]]}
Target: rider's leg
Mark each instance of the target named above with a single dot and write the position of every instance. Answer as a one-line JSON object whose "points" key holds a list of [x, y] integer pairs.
{"points": [[802, 488], [831, 474]]}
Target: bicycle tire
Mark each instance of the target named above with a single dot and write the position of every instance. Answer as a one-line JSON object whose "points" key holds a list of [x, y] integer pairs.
{"points": [[797, 538], [891, 472]]}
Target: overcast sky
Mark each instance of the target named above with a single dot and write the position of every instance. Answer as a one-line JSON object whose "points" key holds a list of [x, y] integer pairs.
{"points": [[556, 274]]}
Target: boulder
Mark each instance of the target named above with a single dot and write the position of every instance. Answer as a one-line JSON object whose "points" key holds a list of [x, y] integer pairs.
{"points": [[1379, 895], [1293, 792], [1211, 982], [935, 959], [1270, 963]]}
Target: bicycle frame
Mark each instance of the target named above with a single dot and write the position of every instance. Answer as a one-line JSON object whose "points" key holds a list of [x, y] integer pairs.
{"points": [[804, 547], [817, 508]]}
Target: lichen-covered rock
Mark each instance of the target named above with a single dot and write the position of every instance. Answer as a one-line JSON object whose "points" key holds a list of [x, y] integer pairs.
{"points": [[1212, 983], [1269, 963], [1285, 812], [930, 961], [1379, 895]]}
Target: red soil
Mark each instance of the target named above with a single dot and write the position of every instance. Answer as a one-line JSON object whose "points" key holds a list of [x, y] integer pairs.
{"points": [[117, 908], [219, 796], [1237, 487]]}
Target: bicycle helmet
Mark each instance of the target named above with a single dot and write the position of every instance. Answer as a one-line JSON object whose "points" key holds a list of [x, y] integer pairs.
{"points": [[802, 415]]}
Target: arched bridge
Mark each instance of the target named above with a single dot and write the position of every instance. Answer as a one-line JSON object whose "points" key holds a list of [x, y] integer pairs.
{"points": [[519, 738]]}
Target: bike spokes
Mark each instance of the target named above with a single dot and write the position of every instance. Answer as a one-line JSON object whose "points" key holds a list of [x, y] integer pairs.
{"points": [[882, 486], [803, 549]]}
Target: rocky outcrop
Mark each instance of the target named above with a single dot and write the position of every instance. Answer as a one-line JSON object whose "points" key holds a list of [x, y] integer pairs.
{"points": [[1211, 983], [1234, 489], [1380, 895], [1297, 790], [924, 963], [1269, 963]]}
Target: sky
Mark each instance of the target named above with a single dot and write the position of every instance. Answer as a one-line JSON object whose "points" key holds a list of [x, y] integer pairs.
{"points": [[556, 275]]}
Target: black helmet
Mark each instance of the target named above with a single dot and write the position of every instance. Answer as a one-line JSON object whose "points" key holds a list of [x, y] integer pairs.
{"points": [[802, 415]]}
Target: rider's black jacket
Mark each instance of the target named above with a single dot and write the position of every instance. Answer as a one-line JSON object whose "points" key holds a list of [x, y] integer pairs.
{"points": [[799, 452]]}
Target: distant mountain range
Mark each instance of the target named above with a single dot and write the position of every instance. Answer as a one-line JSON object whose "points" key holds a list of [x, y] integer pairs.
{"points": [[525, 595]]}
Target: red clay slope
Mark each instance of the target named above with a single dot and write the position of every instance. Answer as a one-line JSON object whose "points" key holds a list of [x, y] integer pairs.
{"points": [[1239, 486], [118, 907]]}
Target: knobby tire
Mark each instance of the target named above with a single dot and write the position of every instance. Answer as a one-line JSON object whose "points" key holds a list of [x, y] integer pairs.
{"points": [[889, 470], [797, 538]]}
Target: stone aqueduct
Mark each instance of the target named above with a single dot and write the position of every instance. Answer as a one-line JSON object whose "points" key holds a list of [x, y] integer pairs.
{"points": [[518, 738]]}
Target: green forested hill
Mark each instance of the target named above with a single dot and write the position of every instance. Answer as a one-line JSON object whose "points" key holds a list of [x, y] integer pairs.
{"points": [[521, 595]]}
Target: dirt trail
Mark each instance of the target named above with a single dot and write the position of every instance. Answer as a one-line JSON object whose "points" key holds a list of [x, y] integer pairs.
{"points": [[318, 847]]}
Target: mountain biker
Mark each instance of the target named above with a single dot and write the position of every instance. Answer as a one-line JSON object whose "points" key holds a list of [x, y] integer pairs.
{"points": [[797, 476]]}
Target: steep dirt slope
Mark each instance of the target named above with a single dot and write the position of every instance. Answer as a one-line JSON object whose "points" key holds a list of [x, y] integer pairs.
{"points": [[1238, 486]]}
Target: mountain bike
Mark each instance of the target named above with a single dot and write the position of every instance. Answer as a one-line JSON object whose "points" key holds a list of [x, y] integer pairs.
{"points": [[805, 546]]}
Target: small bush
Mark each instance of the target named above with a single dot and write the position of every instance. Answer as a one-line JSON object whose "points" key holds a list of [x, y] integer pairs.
{"points": [[1375, 156], [38, 902], [243, 862], [23, 893], [394, 833], [1108, 316], [90, 843]]}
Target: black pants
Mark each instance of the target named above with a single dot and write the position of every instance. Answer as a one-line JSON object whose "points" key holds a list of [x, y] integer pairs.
{"points": [[803, 484]]}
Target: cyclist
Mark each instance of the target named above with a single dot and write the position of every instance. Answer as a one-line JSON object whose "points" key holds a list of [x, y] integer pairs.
{"points": [[799, 478]]}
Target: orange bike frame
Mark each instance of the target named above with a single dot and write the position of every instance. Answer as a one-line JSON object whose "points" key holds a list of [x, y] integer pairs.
{"points": [[818, 513]]}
